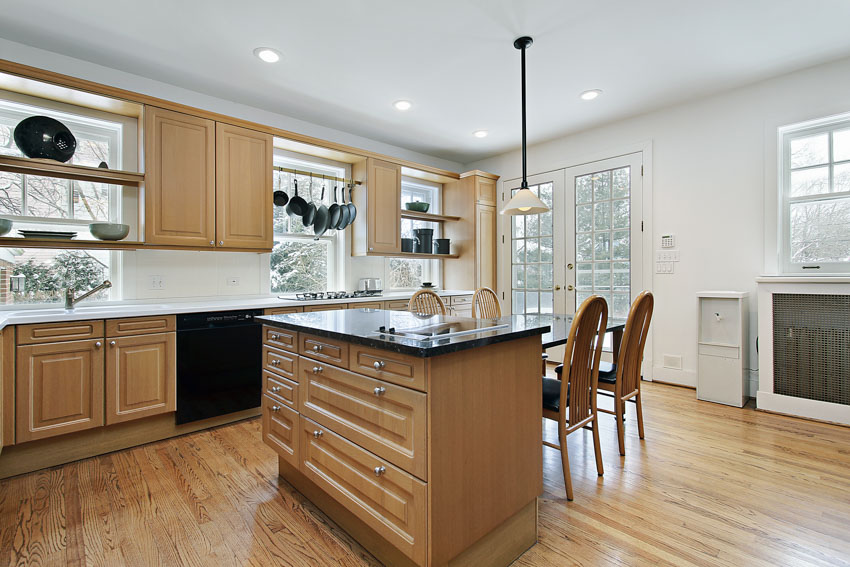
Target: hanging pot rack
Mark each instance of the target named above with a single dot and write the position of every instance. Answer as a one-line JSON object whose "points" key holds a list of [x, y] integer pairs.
{"points": [[317, 175]]}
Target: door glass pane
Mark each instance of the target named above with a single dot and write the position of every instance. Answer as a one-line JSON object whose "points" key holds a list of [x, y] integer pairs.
{"points": [[603, 234], [532, 255]]}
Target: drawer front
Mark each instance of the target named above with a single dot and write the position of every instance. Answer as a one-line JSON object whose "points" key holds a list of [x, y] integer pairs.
{"points": [[280, 338], [281, 389], [461, 300], [280, 362], [282, 310], [392, 367], [329, 307], [55, 332], [397, 305], [281, 430], [367, 305], [385, 419], [140, 326], [330, 351], [387, 499], [461, 311]]}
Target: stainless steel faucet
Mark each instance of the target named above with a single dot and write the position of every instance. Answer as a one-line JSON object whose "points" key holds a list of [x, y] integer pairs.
{"points": [[70, 300]]}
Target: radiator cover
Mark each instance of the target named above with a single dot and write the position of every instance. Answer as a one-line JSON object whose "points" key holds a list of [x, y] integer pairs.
{"points": [[811, 346]]}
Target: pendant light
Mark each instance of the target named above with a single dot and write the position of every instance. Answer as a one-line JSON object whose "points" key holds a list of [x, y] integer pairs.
{"points": [[524, 202]]}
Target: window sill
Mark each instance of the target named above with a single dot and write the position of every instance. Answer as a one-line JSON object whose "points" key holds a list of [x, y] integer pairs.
{"points": [[819, 278]]}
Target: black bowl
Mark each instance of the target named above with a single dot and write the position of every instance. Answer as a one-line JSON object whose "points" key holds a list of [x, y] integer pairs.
{"points": [[45, 137]]}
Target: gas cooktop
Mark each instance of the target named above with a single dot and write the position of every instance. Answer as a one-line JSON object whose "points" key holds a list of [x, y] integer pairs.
{"points": [[314, 296]]}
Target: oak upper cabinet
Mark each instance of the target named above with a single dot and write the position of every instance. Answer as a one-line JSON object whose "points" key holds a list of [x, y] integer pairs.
{"points": [[473, 198], [59, 388], [140, 376], [243, 165], [179, 179], [378, 200]]}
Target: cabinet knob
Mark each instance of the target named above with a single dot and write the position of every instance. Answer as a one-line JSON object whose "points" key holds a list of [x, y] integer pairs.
{"points": [[380, 391], [221, 242], [98, 344], [275, 362], [317, 433], [317, 369], [380, 470], [274, 336], [275, 408], [275, 388], [212, 242], [379, 365], [111, 343], [317, 348]]}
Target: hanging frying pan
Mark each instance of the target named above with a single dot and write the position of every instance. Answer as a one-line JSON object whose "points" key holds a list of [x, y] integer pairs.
{"points": [[323, 218], [280, 198], [344, 216], [352, 210], [334, 213], [310, 212], [297, 205]]}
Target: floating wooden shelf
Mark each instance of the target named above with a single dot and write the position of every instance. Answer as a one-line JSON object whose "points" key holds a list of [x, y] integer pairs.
{"points": [[79, 244], [415, 255], [430, 217], [51, 168]]}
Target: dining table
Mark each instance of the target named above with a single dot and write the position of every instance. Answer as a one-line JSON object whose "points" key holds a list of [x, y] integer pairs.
{"points": [[559, 328]]}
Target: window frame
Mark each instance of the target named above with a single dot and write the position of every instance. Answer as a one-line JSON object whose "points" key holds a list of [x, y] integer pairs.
{"points": [[786, 135]]}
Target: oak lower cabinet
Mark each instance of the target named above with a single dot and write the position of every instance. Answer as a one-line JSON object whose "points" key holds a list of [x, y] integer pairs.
{"points": [[140, 376], [59, 388]]}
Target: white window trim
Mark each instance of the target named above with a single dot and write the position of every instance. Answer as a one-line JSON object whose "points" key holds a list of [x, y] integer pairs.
{"points": [[785, 135]]}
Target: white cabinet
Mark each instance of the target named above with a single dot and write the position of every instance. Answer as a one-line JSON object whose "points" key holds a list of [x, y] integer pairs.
{"points": [[722, 336]]}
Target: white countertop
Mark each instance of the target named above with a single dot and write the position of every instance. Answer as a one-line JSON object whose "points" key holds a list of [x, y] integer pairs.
{"points": [[177, 306]]}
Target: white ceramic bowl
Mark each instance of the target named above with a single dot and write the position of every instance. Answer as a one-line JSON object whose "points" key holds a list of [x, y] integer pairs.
{"points": [[109, 230]]}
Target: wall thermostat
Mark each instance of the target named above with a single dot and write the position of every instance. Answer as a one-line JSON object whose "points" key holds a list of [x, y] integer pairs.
{"points": [[668, 240]]}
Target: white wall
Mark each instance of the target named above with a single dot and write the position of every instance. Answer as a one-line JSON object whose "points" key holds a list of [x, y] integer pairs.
{"points": [[713, 177]]}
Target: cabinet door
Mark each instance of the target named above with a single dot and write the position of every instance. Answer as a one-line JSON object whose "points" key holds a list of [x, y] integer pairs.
{"points": [[179, 178], [140, 376], [243, 188], [281, 430], [59, 388], [485, 191], [384, 207], [485, 246]]}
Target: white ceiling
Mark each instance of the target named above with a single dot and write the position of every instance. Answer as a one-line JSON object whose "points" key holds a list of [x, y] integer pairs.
{"points": [[346, 61]]}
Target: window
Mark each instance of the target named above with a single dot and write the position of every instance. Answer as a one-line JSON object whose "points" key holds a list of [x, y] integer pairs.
{"points": [[815, 196], [404, 273], [300, 261], [29, 276], [532, 257]]}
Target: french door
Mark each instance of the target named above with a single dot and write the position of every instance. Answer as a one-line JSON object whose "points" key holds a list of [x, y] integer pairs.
{"points": [[588, 243]]}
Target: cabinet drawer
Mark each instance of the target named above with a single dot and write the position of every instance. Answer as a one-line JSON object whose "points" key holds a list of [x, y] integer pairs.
{"points": [[280, 362], [330, 351], [140, 325], [397, 368], [281, 389], [281, 430], [329, 307], [390, 501], [54, 332], [367, 305], [282, 310], [397, 305], [385, 419], [280, 338], [461, 300]]}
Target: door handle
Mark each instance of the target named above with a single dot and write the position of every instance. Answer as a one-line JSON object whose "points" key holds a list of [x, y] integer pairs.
{"points": [[570, 288], [557, 288]]}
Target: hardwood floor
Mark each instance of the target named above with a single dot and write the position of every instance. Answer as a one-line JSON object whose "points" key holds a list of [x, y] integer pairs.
{"points": [[710, 485]]}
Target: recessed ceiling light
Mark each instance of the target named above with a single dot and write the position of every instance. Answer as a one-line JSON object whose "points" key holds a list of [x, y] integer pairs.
{"points": [[591, 94], [267, 54], [402, 104], [480, 133]]}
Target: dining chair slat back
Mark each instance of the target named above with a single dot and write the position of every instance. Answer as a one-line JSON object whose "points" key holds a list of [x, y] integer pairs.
{"points": [[582, 357], [634, 341], [426, 302], [485, 304]]}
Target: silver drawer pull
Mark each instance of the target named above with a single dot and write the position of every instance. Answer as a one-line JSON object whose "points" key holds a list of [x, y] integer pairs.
{"points": [[380, 391], [379, 365], [317, 434], [317, 369], [98, 344], [275, 388], [274, 336], [275, 408], [111, 343], [317, 348], [380, 470], [275, 362]]}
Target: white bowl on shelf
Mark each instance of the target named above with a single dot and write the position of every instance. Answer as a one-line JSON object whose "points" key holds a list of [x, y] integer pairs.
{"points": [[109, 230]]}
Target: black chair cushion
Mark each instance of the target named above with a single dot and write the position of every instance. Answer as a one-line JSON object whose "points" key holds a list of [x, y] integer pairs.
{"points": [[552, 394], [607, 372]]}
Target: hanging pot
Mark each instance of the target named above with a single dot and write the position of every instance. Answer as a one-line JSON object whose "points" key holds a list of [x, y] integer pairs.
{"points": [[344, 215], [310, 212], [297, 205], [352, 210], [323, 219], [279, 197], [334, 213], [45, 137]]}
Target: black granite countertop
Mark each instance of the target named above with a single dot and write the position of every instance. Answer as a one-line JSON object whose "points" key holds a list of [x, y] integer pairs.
{"points": [[404, 332]]}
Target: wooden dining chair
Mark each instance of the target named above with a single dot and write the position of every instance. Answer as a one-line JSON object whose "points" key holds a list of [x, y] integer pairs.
{"points": [[485, 304], [426, 302], [622, 379], [571, 401]]}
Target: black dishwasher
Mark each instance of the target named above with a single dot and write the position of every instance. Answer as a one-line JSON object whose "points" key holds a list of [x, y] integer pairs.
{"points": [[219, 361]]}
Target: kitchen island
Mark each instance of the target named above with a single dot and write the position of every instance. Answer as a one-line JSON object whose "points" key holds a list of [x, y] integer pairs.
{"points": [[419, 435]]}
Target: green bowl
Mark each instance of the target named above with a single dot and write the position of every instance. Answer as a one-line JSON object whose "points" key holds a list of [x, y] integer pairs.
{"points": [[109, 230], [5, 226], [417, 206]]}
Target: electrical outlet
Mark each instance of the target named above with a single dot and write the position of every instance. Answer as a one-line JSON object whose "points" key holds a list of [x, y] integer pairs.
{"points": [[233, 281], [157, 282]]}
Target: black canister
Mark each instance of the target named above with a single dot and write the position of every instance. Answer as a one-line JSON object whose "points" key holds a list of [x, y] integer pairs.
{"points": [[442, 245], [407, 244], [424, 240]]}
